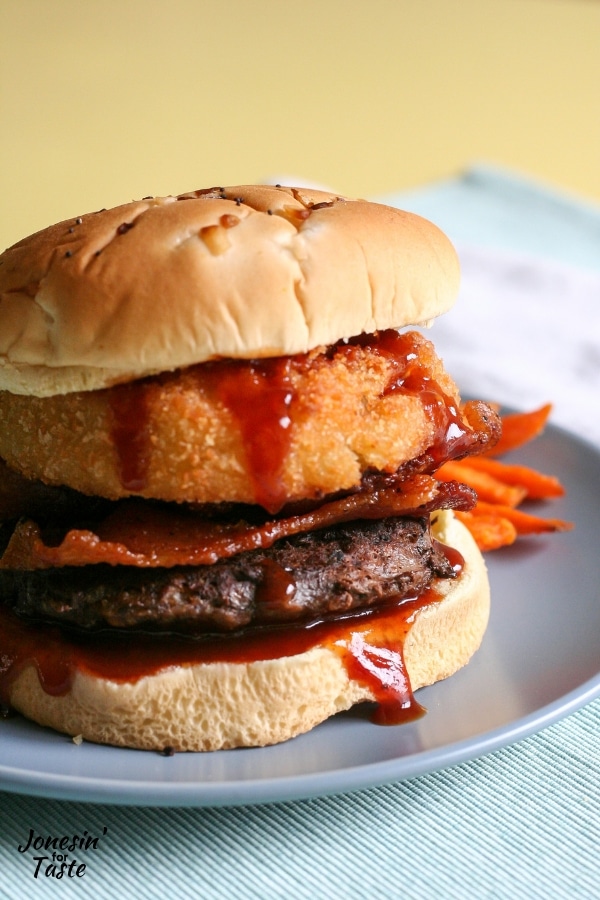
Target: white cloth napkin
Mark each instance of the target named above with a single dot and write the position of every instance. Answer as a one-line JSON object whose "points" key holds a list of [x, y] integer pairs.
{"points": [[526, 331]]}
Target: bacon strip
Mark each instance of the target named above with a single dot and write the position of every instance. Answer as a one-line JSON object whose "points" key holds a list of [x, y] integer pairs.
{"points": [[136, 533]]}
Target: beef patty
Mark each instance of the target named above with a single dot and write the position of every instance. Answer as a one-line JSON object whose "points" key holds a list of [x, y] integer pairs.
{"points": [[301, 577]]}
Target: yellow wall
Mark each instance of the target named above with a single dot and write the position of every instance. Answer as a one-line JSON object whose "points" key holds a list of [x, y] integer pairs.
{"points": [[101, 102]]}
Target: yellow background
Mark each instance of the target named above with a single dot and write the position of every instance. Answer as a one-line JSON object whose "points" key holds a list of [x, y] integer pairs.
{"points": [[102, 102]]}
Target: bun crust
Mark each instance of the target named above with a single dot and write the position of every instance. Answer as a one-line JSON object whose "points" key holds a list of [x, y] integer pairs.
{"points": [[240, 272], [223, 705]]}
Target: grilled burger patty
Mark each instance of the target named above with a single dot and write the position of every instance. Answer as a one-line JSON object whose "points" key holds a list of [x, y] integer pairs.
{"points": [[301, 577]]}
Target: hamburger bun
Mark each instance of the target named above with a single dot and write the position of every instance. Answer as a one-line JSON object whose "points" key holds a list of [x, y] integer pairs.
{"points": [[211, 424], [130, 291]]}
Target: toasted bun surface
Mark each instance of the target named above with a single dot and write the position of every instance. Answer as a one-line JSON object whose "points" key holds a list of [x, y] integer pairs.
{"points": [[240, 272], [223, 705]]}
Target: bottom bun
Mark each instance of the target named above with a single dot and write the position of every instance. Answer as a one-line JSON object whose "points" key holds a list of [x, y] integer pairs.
{"points": [[219, 705]]}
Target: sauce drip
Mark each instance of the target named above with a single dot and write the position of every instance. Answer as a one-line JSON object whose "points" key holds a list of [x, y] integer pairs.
{"points": [[369, 643], [277, 588], [130, 434], [454, 556], [379, 665], [259, 393], [451, 436]]}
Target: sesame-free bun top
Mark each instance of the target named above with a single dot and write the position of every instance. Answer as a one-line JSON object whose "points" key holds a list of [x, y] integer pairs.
{"points": [[238, 272]]}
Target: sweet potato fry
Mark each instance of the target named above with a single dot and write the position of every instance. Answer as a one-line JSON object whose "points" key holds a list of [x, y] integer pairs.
{"points": [[490, 531], [487, 486], [495, 521], [525, 523], [536, 485], [520, 428]]}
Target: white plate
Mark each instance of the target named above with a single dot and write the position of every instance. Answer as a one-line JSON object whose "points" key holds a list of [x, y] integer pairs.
{"points": [[540, 660]]}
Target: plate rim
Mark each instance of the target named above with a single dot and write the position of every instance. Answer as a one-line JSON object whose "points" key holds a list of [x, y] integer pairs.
{"points": [[298, 787]]}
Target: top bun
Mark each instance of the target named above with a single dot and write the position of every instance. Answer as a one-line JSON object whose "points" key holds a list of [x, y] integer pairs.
{"points": [[240, 272]]}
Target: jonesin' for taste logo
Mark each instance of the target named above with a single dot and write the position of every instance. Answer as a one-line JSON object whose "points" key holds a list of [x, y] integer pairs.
{"points": [[53, 856]]}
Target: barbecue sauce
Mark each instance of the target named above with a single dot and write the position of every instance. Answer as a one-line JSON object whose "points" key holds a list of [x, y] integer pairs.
{"points": [[259, 393], [131, 434]]}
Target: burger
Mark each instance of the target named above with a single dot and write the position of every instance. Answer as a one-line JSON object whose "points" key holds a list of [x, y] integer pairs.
{"points": [[219, 432]]}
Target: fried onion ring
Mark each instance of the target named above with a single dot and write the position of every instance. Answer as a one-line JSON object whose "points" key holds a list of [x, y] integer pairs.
{"points": [[342, 422]]}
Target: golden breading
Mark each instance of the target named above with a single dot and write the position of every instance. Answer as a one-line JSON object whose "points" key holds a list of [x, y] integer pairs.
{"points": [[175, 437]]}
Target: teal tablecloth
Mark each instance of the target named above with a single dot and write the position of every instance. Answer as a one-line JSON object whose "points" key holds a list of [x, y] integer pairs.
{"points": [[496, 209], [523, 822]]}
